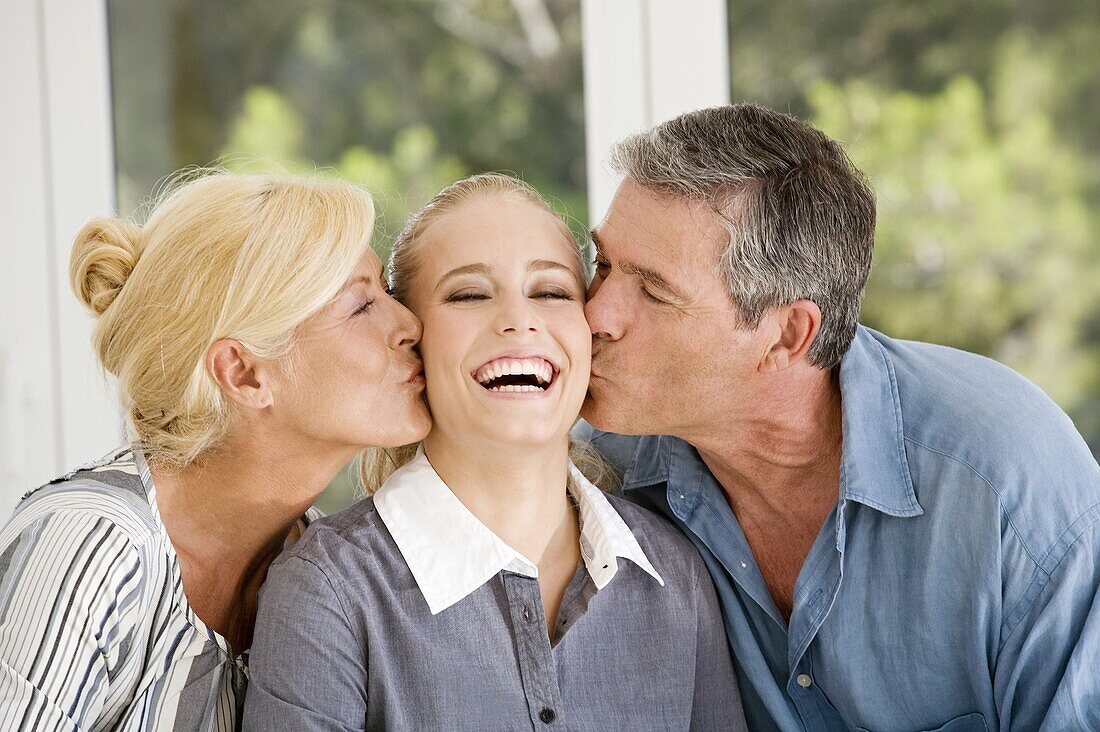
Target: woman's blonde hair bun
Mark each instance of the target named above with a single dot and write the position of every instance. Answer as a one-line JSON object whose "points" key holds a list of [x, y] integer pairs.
{"points": [[104, 254], [221, 255]]}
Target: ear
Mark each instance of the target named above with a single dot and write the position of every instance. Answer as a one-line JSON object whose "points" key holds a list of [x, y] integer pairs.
{"points": [[795, 326], [240, 374]]}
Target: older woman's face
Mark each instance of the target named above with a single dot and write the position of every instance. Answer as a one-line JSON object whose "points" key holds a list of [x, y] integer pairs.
{"points": [[356, 379], [506, 347]]}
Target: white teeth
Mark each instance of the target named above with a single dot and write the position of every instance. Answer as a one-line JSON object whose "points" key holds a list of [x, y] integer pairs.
{"points": [[515, 388], [537, 367]]}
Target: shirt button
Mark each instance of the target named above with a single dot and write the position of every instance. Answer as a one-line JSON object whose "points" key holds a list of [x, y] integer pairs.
{"points": [[527, 613], [804, 681], [547, 715]]}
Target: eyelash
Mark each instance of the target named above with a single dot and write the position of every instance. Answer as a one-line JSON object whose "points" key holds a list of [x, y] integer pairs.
{"points": [[467, 297], [603, 267], [476, 296], [650, 296], [364, 307]]}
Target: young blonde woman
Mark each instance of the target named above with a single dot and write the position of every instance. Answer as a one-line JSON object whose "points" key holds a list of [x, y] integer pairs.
{"points": [[488, 584], [256, 351]]}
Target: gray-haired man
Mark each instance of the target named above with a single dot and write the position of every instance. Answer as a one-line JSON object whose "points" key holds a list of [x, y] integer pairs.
{"points": [[903, 536]]}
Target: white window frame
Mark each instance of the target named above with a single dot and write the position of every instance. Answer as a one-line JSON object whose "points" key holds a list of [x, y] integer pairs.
{"points": [[56, 409], [644, 61]]}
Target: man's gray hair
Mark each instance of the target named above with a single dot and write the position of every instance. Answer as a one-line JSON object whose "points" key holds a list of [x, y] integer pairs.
{"points": [[800, 217]]}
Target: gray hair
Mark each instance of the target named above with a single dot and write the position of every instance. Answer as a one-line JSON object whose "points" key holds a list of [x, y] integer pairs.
{"points": [[799, 214]]}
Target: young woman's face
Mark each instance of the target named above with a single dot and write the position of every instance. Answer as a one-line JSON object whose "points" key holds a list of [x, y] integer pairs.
{"points": [[506, 347], [356, 379]]}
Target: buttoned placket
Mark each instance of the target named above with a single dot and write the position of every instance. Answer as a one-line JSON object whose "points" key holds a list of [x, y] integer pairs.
{"points": [[815, 591], [538, 671], [814, 594]]}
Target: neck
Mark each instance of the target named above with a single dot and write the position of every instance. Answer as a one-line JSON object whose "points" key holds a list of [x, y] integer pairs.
{"points": [[519, 492], [229, 514], [778, 453]]}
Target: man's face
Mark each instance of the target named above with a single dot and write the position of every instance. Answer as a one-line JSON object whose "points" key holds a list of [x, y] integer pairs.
{"points": [[667, 354]]}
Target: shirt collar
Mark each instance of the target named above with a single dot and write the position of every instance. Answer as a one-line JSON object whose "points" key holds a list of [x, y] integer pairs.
{"points": [[874, 468], [451, 553]]}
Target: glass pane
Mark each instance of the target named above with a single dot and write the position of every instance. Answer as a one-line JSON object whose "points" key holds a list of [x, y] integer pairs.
{"points": [[979, 126], [402, 96]]}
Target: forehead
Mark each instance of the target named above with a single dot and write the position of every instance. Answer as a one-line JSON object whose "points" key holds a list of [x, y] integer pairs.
{"points": [[659, 232], [369, 264], [498, 229]]}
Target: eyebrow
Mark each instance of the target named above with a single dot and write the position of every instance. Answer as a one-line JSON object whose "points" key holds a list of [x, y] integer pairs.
{"points": [[644, 273], [541, 265], [536, 265], [481, 269]]}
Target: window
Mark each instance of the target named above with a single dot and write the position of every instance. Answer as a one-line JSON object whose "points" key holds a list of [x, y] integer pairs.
{"points": [[402, 97]]}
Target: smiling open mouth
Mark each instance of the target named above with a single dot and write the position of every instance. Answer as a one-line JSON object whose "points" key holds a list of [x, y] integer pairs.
{"points": [[516, 375]]}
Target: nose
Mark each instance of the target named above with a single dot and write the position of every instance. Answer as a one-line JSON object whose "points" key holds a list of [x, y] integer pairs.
{"points": [[605, 309], [515, 315], [407, 328]]}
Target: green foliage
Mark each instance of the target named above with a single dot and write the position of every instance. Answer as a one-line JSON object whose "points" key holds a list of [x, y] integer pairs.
{"points": [[979, 126], [984, 240], [403, 96]]}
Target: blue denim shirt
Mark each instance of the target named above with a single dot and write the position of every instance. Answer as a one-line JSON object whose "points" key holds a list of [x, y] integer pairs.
{"points": [[955, 585]]}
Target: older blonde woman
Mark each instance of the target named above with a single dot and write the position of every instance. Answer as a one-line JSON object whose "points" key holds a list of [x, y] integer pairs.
{"points": [[257, 350]]}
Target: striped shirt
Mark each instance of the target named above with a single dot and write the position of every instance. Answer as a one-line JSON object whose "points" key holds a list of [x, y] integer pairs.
{"points": [[95, 630]]}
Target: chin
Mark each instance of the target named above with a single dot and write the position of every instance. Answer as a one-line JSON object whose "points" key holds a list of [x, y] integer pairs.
{"points": [[413, 429], [597, 417], [607, 420], [524, 436]]}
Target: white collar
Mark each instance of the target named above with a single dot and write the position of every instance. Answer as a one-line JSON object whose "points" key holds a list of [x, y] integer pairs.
{"points": [[451, 553]]}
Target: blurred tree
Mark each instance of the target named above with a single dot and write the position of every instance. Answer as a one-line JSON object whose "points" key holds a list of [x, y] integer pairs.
{"points": [[402, 95], [983, 240], [979, 125]]}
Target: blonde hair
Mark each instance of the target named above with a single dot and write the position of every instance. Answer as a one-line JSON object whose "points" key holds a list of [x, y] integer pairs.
{"points": [[246, 257], [377, 464], [404, 260]]}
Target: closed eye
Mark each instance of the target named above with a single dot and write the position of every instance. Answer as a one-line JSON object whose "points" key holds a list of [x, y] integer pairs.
{"points": [[650, 296], [467, 296], [554, 295]]}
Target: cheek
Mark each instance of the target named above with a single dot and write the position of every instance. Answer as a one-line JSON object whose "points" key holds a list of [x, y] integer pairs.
{"points": [[361, 366], [439, 345], [580, 342]]}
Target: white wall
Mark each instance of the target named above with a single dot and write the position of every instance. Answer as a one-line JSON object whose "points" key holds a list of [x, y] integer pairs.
{"points": [[56, 172], [646, 61]]}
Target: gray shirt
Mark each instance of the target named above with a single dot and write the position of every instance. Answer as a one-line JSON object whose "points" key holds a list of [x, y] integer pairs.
{"points": [[345, 639]]}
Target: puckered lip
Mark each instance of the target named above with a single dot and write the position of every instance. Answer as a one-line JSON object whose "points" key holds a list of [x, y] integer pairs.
{"points": [[416, 373]]}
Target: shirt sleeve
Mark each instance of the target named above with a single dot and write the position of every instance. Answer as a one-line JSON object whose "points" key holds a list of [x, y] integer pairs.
{"points": [[69, 597], [307, 669], [1046, 671], [716, 703]]}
